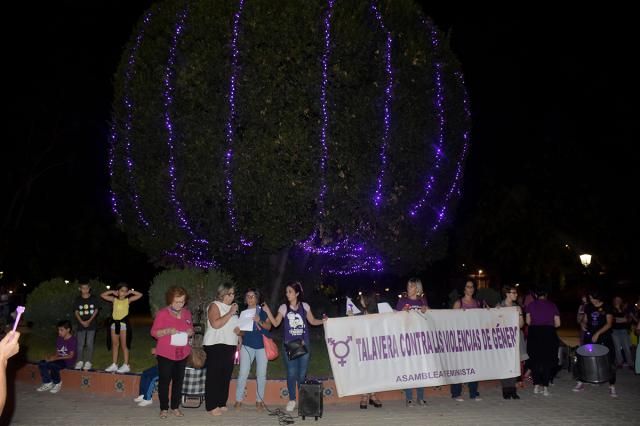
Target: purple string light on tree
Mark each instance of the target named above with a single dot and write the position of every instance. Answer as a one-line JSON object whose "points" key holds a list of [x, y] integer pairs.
{"points": [[345, 250], [169, 75], [455, 186], [440, 114], [128, 104], [228, 172], [112, 194], [377, 198], [194, 252]]}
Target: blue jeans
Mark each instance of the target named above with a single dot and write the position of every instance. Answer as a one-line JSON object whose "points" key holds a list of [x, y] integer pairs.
{"points": [[247, 355], [419, 394], [85, 338], [148, 382], [50, 370], [296, 371], [456, 390]]}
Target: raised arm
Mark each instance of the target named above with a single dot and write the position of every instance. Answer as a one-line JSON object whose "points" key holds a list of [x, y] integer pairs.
{"points": [[109, 295], [274, 320], [312, 320], [134, 295]]}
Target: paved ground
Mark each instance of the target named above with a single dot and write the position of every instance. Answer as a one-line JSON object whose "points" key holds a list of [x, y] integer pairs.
{"points": [[564, 407]]}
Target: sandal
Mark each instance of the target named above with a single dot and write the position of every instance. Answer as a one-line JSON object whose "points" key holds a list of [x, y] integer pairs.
{"points": [[164, 414], [177, 412], [363, 403]]}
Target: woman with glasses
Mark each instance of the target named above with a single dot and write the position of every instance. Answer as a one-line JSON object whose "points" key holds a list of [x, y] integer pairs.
{"points": [[253, 348], [510, 297], [220, 343], [468, 301]]}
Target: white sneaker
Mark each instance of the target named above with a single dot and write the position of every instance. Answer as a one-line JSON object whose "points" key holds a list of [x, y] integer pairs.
{"points": [[111, 369], [87, 366], [138, 398], [536, 389], [145, 402], [612, 392], [291, 405], [124, 368], [579, 387], [79, 365], [45, 387], [545, 391], [56, 388]]}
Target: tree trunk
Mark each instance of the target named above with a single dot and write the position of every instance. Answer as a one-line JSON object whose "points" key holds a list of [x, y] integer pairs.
{"points": [[278, 266]]}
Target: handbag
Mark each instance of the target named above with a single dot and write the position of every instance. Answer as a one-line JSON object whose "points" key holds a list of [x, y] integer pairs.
{"points": [[270, 348], [295, 349], [197, 358]]}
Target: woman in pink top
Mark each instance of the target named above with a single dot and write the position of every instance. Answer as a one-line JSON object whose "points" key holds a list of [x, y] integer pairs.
{"points": [[172, 328]]}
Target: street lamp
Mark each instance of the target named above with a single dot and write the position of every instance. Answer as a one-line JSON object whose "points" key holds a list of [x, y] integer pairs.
{"points": [[585, 259]]}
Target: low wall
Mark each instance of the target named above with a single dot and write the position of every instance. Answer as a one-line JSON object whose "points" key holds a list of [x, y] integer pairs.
{"points": [[126, 386]]}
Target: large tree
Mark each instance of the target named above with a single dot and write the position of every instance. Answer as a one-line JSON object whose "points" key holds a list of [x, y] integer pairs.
{"points": [[250, 127]]}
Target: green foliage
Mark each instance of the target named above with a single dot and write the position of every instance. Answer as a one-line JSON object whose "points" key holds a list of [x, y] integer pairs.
{"points": [[276, 132], [52, 301], [201, 287]]}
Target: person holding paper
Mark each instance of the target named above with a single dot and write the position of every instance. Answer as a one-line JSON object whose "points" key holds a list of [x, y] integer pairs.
{"points": [[253, 348], [172, 328], [220, 343]]}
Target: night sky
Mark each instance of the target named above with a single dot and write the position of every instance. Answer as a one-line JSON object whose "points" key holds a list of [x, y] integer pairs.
{"points": [[552, 108]]}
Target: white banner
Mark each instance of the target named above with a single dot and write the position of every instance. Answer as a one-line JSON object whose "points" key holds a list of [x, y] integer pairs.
{"points": [[400, 350]]}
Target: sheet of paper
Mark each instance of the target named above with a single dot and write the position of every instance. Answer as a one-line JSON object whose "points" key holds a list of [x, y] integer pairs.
{"points": [[181, 338], [384, 307], [246, 319], [352, 307]]}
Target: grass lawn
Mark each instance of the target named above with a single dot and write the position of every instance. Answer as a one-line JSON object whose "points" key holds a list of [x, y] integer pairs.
{"points": [[39, 344]]}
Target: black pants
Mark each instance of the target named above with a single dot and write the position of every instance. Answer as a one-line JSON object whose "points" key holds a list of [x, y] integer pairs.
{"points": [[219, 369], [542, 347], [170, 371]]}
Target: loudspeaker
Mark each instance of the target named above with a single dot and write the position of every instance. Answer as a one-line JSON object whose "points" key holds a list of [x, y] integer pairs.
{"points": [[310, 399]]}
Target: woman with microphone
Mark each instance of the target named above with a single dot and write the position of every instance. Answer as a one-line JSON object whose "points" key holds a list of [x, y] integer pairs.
{"points": [[220, 343]]}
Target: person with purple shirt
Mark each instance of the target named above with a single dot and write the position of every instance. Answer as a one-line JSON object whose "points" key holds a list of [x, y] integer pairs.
{"points": [[542, 344], [414, 300], [468, 301], [65, 357], [298, 317]]}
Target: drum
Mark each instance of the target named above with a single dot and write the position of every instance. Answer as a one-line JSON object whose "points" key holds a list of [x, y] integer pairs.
{"points": [[592, 364]]}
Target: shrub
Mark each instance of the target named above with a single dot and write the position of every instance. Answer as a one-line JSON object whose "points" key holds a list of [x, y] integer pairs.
{"points": [[200, 285], [52, 301]]}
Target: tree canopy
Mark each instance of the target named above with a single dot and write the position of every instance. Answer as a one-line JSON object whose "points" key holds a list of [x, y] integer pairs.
{"points": [[279, 122]]}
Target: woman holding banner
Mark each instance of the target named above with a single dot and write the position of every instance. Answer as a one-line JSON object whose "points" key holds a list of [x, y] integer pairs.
{"points": [[468, 301], [510, 296], [415, 300], [369, 304]]}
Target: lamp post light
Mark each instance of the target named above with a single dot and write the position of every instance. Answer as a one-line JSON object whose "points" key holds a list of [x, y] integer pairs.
{"points": [[585, 259]]}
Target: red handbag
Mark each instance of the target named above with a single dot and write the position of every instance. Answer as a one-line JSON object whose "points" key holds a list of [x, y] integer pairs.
{"points": [[270, 348]]}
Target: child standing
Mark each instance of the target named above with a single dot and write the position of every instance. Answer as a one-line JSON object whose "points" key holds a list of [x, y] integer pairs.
{"points": [[86, 311], [120, 329], [64, 357]]}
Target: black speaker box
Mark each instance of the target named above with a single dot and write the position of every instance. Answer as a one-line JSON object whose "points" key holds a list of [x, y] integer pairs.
{"points": [[310, 400]]}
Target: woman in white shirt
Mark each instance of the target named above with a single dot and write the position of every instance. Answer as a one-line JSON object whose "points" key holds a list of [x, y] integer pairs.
{"points": [[220, 343]]}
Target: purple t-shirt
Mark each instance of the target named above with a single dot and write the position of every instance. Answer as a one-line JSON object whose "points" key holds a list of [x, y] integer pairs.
{"points": [[542, 312], [295, 322], [414, 304], [64, 347]]}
